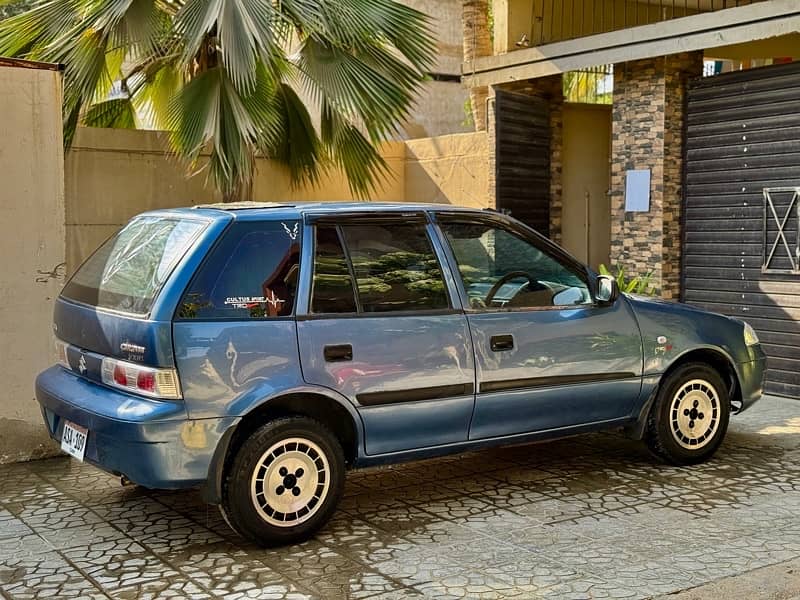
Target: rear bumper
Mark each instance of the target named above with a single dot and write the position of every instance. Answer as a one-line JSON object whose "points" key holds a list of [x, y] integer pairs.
{"points": [[153, 443], [751, 378]]}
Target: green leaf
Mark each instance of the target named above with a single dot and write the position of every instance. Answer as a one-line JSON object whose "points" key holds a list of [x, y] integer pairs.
{"points": [[118, 113], [295, 143], [240, 33], [360, 160], [194, 114], [153, 83], [209, 112], [372, 86]]}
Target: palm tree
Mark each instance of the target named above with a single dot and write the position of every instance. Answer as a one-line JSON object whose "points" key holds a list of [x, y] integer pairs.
{"points": [[477, 43], [229, 76]]}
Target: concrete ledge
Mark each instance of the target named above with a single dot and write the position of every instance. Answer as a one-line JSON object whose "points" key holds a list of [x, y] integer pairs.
{"points": [[157, 142], [24, 440]]}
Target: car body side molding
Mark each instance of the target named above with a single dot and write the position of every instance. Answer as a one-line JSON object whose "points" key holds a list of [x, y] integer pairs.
{"points": [[537, 382]]}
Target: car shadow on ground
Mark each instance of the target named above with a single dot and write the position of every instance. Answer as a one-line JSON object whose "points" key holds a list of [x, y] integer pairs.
{"points": [[584, 515]]}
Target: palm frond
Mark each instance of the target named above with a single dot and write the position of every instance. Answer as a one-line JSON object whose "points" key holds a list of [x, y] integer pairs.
{"points": [[358, 84], [21, 34], [239, 33], [355, 23], [194, 114], [144, 29], [246, 38], [295, 142], [209, 112], [405, 28], [152, 84], [348, 149], [117, 113]]}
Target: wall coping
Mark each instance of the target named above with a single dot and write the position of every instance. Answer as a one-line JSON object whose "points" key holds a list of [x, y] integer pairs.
{"points": [[151, 141]]}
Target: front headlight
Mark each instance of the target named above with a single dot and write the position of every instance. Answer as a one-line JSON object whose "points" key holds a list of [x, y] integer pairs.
{"points": [[750, 337]]}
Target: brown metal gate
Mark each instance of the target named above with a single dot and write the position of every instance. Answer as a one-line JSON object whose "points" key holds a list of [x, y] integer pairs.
{"points": [[522, 158], [741, 239]]}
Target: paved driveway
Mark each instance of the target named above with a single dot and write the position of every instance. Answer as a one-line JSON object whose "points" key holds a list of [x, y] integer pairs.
{"points": [[588, 517]]}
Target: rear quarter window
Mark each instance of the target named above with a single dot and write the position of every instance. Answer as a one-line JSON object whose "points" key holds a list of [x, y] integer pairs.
{"points": [[127, 272], [252, 273]]}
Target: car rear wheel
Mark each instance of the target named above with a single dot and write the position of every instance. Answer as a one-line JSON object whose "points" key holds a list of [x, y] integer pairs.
{"points": [[689, 417], [284, 482]]}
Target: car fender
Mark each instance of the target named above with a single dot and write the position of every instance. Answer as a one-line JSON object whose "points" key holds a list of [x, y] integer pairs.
{"points": [[212, 489], [316, 390], [651, 384]]}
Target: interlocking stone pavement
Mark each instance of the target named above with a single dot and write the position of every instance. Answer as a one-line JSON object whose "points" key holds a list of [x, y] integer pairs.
{"points": [[585, 517]]}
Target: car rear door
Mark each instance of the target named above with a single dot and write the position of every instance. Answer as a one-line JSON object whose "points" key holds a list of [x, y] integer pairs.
{"points": [[383, 328], [547, 355]]}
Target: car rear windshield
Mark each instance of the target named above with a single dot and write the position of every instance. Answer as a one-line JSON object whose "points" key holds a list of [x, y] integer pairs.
{"points": [[127, 272]]}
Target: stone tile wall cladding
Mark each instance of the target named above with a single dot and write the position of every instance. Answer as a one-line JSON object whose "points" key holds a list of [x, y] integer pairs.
{"points": [[647, 133], [550, 88]]}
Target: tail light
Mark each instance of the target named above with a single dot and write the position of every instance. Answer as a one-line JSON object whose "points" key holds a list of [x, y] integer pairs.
{"points": [[147, 381]]}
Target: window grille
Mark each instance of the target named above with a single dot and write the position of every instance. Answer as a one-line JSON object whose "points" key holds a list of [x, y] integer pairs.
{"points": [[781, 234]]}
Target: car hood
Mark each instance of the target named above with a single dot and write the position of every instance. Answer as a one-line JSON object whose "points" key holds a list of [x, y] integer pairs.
{"points": [[639, 299]]}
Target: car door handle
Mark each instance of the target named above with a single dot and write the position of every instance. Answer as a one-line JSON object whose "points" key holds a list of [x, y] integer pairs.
{"points": [[499, 343], [340, 353]]}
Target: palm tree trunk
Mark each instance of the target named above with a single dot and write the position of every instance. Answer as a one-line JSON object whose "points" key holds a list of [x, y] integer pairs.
{"points": [[241, 191], [477, 43]]}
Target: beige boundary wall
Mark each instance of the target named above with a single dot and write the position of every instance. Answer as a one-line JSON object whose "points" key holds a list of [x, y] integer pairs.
{"points": [[31, 244], [449, 169], [57, 211], [112, 175]]}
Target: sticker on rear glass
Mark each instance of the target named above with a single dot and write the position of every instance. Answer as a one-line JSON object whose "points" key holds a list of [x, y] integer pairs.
{"points": [[253, 301], [292, 232]]}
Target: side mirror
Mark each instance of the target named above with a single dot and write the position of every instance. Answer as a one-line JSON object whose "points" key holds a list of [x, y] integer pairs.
{"points": [[607, 289]]}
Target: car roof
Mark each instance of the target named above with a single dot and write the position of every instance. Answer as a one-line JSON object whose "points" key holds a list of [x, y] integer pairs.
{"points": [[269, 210]]}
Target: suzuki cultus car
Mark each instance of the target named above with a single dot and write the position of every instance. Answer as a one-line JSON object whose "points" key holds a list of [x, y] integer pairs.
{"points": [[260, 350]]}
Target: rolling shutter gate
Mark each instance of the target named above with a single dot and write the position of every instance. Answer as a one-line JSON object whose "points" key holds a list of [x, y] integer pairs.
{"points": [[742, 199], [522, 158]]}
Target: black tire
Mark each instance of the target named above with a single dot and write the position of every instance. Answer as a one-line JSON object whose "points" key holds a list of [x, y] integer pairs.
{"points": [[672, 428], [316, 481]]}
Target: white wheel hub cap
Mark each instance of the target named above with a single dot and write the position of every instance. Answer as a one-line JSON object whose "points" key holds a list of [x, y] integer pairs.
{"points": [[694, 414], [290, 482]]}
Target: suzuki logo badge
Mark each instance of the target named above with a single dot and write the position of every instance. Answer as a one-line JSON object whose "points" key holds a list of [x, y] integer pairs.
{"points": [[82, 365]]}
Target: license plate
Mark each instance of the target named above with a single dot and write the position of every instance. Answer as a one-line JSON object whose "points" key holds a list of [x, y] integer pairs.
{"points": [[73, 440]]}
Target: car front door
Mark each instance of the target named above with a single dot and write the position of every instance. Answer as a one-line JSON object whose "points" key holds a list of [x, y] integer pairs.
{"points": [[547, 355], [382, 328]]}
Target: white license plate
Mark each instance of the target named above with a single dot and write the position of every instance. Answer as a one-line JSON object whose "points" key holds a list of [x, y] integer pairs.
{"points": [[73, 440]]}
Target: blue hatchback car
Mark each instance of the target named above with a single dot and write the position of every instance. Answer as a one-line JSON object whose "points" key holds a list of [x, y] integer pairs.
{"points": [[261, 350]]}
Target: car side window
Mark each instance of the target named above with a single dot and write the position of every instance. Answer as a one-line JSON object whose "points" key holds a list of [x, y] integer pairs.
{"points": [[333, 290], [252, 273], [501, 269], [395, 267]]}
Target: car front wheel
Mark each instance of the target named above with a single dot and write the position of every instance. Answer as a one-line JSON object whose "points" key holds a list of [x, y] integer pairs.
{"points": [[689, 417], [284, 482]]}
